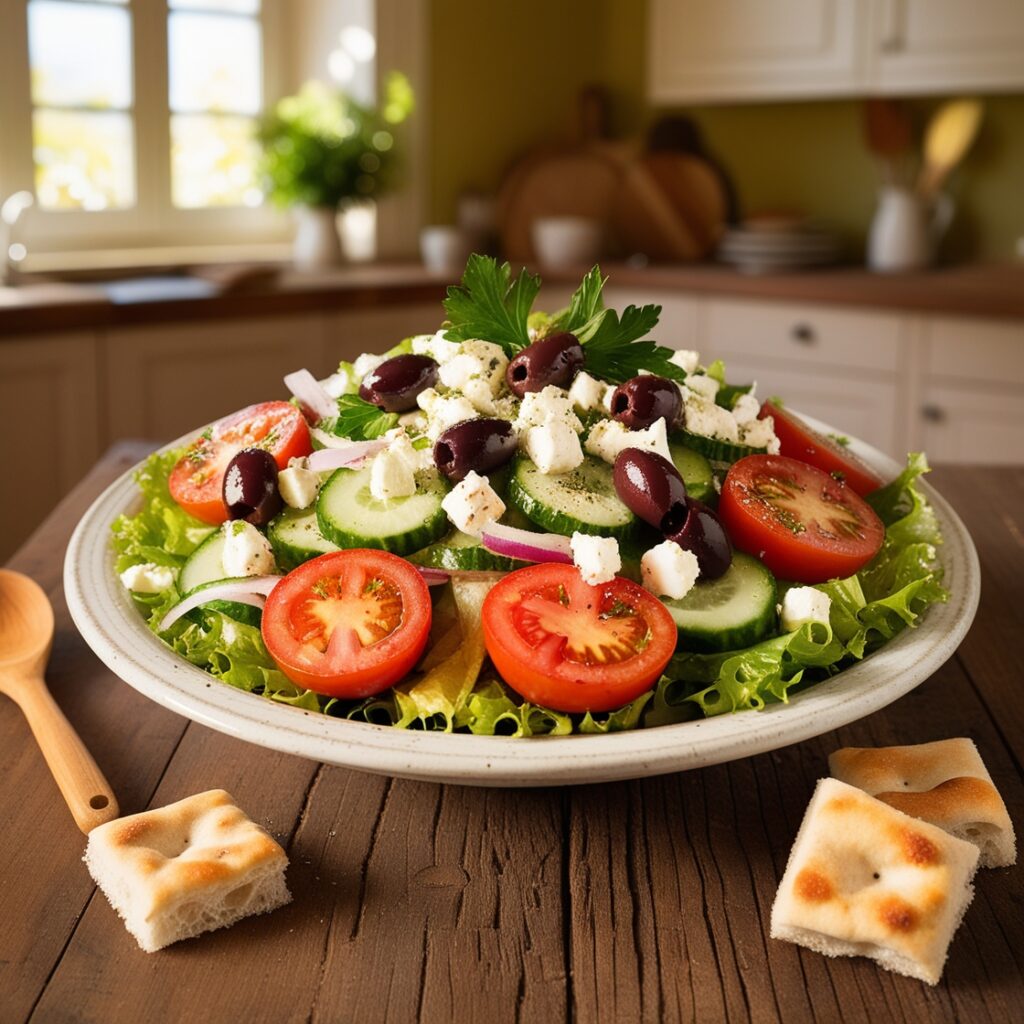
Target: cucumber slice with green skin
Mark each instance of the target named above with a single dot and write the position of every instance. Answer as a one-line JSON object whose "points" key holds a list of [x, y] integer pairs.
{"points": [[351, 517], [731, 612], [712, 447], [696, 472], [582, 500], [204, 567], [461, 551], [295, 536]]}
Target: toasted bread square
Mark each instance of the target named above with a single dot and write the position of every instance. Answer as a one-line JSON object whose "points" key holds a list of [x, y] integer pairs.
{"points": [[188, 868], [864, 879], [944, 783]]}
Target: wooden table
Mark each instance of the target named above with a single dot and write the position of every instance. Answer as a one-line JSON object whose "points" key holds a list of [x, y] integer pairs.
{"points": [[644, 900]]}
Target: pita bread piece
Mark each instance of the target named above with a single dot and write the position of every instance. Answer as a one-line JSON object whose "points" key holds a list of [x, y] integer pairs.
{"points": [[187, 868], [864, 879], [945, 783]]}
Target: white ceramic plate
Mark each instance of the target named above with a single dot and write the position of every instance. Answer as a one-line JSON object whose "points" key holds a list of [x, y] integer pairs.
{"points": [[110, 624]]}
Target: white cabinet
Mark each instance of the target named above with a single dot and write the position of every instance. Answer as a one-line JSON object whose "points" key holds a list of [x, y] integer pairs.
{"points": [[752, 50]]}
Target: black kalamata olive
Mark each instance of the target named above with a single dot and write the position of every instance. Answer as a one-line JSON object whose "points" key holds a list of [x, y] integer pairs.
{"points": [[555, 360], [651, 487], [250, 487], [640, 401], [481, 445], [703, 534], [394, 385]]}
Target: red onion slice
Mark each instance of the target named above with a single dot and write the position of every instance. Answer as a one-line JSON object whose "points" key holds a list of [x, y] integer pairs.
{"points": [[325, 459], [433, 577], [530, 547], [252, 591], [307, 389]]}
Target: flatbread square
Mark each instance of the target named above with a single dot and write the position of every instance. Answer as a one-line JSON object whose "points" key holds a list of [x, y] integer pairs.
{"points": [[944, 783], [864, 879], [188, 868]]}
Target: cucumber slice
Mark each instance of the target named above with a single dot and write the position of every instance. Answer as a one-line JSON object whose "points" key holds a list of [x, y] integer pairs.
{"points": [[712, 447], [351, 517], [459, 550], [734, 611], [295, 536], [205, 566], [582, 500], [696, 472]]}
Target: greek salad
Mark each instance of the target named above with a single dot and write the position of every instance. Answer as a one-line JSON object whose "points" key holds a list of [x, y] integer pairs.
{"points": [[525, 524]]}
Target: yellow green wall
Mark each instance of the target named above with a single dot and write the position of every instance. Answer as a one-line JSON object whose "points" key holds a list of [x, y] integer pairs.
{"points": [[505, 76]]}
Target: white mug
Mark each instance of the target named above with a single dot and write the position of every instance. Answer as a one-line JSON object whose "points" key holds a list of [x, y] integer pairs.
{"points": [[905, 233], [567, 242]]}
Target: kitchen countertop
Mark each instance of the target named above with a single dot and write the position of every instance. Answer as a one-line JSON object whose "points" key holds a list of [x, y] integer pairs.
{"points": [[632, 901], [993, 291]]}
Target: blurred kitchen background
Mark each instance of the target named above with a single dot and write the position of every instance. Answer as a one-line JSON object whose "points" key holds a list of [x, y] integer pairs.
{"points": [[198, 196]]}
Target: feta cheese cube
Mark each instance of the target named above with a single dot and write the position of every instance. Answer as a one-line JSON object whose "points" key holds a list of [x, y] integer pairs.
{"points": [[414, 421], [669, 571], [147, 578], [702, 416], [586, 392], [686, 359], [246, 551], [392, 475], [761, 434], [702, 385], [746, 409], [437, 346], [427, 399], [298, 485], [537, 407], [365, 363], [609, 437], [477, 391], [446, 412], [597, 558], [802, 605], [553, 446], [457, 371], [343, 382], [471, 504], [606, 399]]}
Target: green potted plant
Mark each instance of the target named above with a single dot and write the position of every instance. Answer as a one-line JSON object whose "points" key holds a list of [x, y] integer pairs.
{"points": [[324, 151]]}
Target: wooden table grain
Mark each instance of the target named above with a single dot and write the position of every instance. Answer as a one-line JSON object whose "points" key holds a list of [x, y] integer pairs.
{"points": [[634, 901]]}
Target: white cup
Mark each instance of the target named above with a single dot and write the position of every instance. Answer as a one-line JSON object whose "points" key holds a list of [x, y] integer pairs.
{"points": [[565, 242], [445, 249]]}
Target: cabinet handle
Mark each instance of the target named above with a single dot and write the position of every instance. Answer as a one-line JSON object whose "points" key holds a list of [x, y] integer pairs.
{"points": [[803, 333], [892, 26], [933, 413]]}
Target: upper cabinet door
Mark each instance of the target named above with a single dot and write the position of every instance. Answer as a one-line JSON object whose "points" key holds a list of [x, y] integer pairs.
{"points": [[750, 49], [923, 46]]}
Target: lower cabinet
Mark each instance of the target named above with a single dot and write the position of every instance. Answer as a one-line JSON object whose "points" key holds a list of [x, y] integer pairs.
{"points": [[971, 423]]}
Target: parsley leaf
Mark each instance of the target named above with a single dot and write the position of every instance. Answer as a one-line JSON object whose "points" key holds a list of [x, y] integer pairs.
{"points": [[360, 420], [585, 304], [491, 306], [612, 352]]}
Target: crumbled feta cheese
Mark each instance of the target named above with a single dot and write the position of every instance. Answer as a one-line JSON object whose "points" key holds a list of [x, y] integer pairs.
{"points": [[414, 421], [400, 446], [609, 437], [427, 399], [702, 385], [597, 558], [446, 412], [471, 504], [554, 446], [365, 363], [702, 416], [246, 551], [761, 434], [476, 358], [802, 605], [586, 392], [392, 475], [538, 407], [437, 346], [457, 371], [147, 578], [669, 571], [298, 485], [477, 391], [746, 409], [606, 399], [686, 359], [343, 382]]}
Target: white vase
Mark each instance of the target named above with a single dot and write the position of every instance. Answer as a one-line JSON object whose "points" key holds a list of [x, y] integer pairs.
{"points": [[317, 243], [906, 230]]}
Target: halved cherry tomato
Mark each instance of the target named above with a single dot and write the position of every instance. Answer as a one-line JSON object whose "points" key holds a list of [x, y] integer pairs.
{"points": [[801, 522], [349, 623], [570, 646], [197, 480], [798, 440]]}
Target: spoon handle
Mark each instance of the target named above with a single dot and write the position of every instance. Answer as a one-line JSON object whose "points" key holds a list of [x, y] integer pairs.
{"points": [[86, 792]]}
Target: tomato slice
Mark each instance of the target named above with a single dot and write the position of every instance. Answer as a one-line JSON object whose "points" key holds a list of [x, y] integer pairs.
{"points": [[197, 481], [798, 440], [570, 646], [349, 623], [804, 524]]}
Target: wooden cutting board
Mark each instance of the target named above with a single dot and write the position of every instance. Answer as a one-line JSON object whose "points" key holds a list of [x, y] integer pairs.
{"points": [[695, 191]]}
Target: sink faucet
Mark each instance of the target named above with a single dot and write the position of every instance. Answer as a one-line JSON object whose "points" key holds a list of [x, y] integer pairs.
{"points": [[12, 252]]}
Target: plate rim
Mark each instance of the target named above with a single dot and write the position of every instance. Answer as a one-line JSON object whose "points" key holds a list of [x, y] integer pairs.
{"points": [[100, 607]]}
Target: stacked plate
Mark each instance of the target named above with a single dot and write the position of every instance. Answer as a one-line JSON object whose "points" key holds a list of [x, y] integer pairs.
{"points": [[772, 246]]}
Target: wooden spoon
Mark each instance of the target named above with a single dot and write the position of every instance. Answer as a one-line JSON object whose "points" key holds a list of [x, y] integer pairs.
{"points": [[26, 635]]}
